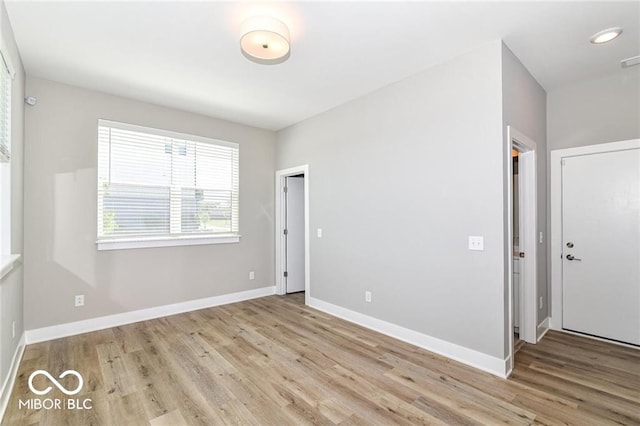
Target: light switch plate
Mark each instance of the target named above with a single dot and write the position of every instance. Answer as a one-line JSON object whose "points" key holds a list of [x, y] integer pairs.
{"points": [[476, 243], [319, 232]]}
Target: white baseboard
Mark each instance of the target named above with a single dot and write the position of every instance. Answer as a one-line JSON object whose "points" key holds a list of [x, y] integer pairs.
{"points": [[508, 366], [9, 381], [79, 327], [555, 323], [479, 360], [543, 327]]}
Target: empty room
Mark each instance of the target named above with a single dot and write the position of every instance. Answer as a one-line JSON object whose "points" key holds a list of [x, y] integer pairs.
{"points": [[349, 213]]}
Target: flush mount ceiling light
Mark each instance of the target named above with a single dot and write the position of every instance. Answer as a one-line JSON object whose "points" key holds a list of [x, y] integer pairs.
{"points": [[265, 40], [605, 35]]}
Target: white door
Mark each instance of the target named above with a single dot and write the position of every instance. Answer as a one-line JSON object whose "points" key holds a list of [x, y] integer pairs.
{"points": [[601, 245], [294, 238]]}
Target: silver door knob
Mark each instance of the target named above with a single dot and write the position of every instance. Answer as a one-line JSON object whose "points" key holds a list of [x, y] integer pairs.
{"points": [[572, 257]]}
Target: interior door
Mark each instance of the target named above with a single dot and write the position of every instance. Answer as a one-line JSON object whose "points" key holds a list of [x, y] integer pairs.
{"points": [[294, 238], [601, 245]]}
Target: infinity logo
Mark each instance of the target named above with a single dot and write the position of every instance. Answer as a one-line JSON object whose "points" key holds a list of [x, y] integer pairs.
{"points": [[55, 382]]}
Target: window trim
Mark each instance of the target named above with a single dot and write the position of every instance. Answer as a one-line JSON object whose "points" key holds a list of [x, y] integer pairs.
{"points": [[165, 241], [165, 133], [5, 62], [152, 241], [5, 58], [4, 51], [7, 257], [7, 263]]}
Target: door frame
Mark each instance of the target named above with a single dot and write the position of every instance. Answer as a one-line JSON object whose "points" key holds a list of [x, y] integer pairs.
{"points": [[280, 257], [555, 208], [527, 179]]}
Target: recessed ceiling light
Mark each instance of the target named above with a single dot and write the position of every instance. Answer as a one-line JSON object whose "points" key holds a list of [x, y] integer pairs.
{"points": [[265, 40], [606, 35]]}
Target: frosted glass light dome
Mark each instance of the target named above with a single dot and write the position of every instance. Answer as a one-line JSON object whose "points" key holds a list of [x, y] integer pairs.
{"points": [[265, 40]]}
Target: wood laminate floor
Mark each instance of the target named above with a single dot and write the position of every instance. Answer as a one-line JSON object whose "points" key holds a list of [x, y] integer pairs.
{"points": [[273, 361]]}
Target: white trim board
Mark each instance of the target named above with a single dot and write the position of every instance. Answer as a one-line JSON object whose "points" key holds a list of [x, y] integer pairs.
{"points": [[508, 366], [473, 358], [10, 380], [528, 201], [79, 327], [529, 244], [555, 208], [6, 57], [543, 327], [193, 240]]}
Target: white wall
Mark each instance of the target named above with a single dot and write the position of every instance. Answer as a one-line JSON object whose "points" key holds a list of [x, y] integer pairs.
{"points": [[601, 110], [61, 259], [399, 179], [11, 286], [525, 108]]}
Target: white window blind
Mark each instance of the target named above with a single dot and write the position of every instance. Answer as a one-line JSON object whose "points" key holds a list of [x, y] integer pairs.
{"points": [[153, 183], [5, 110]]}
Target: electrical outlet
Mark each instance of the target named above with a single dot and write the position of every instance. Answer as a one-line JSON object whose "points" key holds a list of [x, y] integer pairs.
{"points": [[367, 296], [252, 275], [476, 243], [319, 232], [13, 329], [79, 300], [540, 303]]}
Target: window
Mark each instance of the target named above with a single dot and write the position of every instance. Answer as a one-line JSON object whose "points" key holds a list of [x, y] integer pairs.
{"points": [[5, 109], [159, 188], [7, 259]]}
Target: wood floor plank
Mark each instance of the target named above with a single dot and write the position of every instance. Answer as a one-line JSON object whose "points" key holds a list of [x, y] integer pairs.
{"points": [[598, 404], [260, 405], [461, 398], [594, 380], [172, 418], [117, 377], [153, 391], [274, 361], [333, 410]]}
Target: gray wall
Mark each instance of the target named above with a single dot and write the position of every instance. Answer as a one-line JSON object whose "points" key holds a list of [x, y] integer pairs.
{"points": [[596, 111], [399, 179], [11, 308], [525, 108], [61, 259]]}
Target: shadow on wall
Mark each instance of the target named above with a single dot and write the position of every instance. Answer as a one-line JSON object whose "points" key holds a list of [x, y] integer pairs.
{"points": [[73, 252]]}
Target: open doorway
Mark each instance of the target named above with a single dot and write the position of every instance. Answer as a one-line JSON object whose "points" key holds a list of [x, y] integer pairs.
{"points": [[515, 221], [292, 231], [293, 234], [522, 237]]}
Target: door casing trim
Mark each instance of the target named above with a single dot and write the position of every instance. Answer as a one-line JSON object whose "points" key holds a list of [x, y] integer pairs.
{"points": [[529, 227], [555, 209]]}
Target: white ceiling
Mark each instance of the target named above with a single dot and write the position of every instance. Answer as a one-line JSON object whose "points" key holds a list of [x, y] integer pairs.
{"points": [[186, 55]]}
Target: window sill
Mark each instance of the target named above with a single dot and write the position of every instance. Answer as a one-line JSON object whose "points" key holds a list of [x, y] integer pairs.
{"points": [[150, 242], [7, 261]]}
